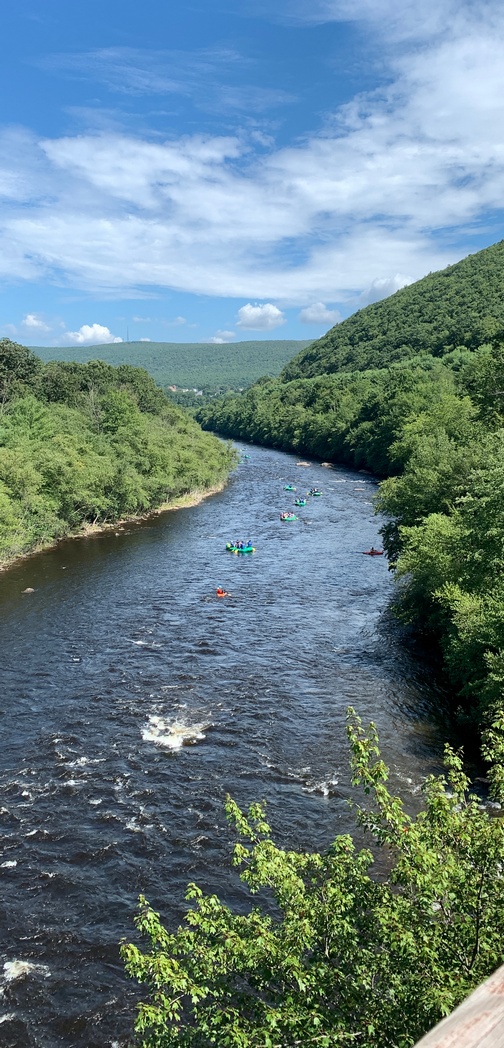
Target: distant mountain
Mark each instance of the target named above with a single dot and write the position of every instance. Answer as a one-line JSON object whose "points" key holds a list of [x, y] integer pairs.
{"points": [[231, 365], [462, 305]]}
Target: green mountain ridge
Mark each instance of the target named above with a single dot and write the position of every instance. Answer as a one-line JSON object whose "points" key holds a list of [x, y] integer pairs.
{"points": [[199, 365], [462, 305]]}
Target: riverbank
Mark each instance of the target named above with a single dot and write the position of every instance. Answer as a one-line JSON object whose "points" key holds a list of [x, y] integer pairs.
{"points": [[86, 530]]}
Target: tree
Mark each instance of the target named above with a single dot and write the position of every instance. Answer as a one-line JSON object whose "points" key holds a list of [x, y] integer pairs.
{"points": [[333, 956], [19, 368]]}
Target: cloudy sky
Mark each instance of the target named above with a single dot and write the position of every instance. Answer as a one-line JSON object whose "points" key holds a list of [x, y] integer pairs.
{"points": [[239, 169]]}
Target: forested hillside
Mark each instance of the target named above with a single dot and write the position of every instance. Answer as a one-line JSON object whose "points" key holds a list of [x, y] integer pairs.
{"points": [[207, 366], [89, 443], [432, 423], [462, 305]]}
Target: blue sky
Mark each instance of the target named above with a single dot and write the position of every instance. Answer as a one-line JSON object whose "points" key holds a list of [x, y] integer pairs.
{"points": [[238, 169]]}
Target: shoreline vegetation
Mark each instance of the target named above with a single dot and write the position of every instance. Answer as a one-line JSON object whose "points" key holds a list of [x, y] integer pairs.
{"points": [[87, 529], [326, 952], [84, 447]]}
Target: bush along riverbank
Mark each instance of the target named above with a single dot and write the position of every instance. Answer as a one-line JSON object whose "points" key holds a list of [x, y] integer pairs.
{"points": [[329, 955], [90, 444]]}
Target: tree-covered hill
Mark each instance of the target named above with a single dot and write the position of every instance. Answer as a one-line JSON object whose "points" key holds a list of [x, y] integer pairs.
{"points": [[462, 305], [232, 365], [86, 444]]}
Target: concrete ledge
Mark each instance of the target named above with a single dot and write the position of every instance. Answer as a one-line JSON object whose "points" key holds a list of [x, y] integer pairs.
{"points": [[477, 1023]]}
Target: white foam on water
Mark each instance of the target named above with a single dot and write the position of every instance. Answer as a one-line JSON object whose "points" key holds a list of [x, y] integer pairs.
{"points": [[132, 826], [7, 865], [82, 761], [19, 969], [173, 735], [8, 1017], [324, 789]]}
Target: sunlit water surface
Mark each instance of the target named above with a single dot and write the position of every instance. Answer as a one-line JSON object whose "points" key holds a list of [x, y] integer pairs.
{"points": [[133, 700]]}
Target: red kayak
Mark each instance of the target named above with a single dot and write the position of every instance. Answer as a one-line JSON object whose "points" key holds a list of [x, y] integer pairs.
{"points": [[373, 552]]}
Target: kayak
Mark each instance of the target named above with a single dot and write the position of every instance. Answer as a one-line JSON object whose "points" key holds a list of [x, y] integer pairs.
{"points": [[373, 552], [231, 548], [289, 487], [314, 492], [288, 516], [300, 502]]}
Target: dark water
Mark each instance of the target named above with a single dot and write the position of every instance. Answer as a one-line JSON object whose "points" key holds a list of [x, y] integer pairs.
{"points": [[120, 654]]}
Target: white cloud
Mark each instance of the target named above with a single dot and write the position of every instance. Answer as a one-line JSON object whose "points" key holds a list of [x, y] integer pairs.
{"points": [[390, 20], [318, 313], [90, 333], [222, 336], [31, 320], [260, 318], [334, 217], [206, 75], [379, 289]]}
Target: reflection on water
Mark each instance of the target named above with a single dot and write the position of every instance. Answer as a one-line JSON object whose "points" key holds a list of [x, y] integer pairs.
{"points": [[133, 700]]}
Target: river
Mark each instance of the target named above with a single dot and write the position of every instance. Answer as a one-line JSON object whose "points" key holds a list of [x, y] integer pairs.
{"points": [[121, 654]]}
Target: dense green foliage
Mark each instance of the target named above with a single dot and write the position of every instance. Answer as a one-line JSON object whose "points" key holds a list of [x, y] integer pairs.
{"points": [[204, 366], [334, 956], [89, 443], [354, 418], [462, 305]]}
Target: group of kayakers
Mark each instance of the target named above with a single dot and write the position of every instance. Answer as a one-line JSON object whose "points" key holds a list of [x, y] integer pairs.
{"points": [[247, 546]]}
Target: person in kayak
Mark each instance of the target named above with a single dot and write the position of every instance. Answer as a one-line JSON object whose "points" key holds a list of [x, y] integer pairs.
{"points": [[220, 592]]}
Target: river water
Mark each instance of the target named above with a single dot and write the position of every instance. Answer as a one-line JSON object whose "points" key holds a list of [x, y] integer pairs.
{"points": [[133, 700]]}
